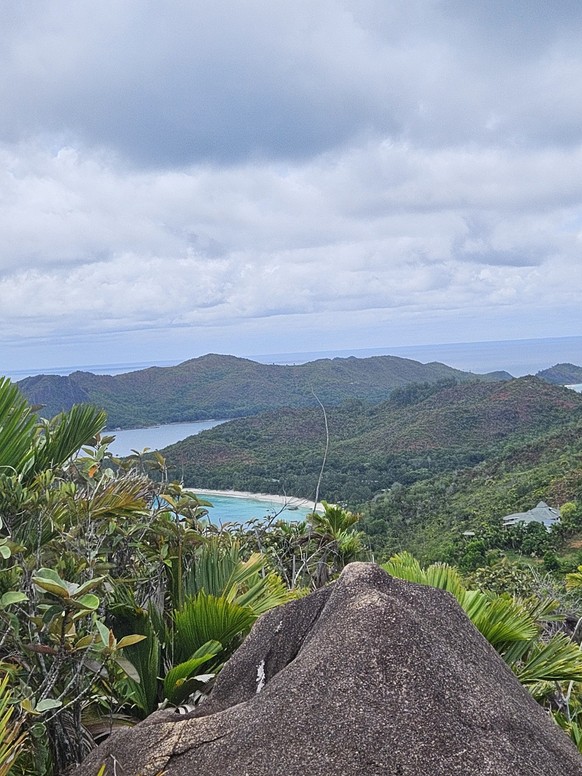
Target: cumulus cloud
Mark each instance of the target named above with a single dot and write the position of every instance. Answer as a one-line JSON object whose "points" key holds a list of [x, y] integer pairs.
{"points": [[255, 168]]}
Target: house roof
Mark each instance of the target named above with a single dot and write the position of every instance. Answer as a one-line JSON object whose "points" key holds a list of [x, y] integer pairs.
{"points": [[541, 513]]}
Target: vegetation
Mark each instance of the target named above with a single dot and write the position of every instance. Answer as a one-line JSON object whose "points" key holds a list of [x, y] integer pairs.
{"points": [[457, 515], [115, 595], [421, 432], [118, 596], [216, 386], [562, 374], [525, 631]]}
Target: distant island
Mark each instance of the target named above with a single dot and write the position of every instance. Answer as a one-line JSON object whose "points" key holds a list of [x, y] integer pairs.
{"points": [[562, 374], [218, 386]]}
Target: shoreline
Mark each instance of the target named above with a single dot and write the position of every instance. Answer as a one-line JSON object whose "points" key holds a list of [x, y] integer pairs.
{"points": [[293, 501]]}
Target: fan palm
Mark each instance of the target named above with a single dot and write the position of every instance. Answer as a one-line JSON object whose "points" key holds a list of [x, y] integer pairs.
{"points": [[221, 598], [511, 625]]}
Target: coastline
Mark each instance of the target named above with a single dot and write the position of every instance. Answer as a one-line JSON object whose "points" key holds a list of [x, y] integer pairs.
{"points": [[292, 501]]}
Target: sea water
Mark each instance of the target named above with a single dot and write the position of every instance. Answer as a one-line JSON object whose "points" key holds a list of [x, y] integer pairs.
{"points": [[239, 509], [518, 357], [156, 437]]}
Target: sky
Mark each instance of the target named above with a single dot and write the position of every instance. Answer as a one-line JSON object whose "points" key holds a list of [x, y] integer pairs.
{"points": [[266, 176]]}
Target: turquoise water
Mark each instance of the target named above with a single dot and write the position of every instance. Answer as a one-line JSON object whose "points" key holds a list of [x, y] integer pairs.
{"points": [[225, 508], [231, 509]]}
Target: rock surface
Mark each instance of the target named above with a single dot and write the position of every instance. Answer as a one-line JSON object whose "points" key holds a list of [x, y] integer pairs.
{"points": [[371, 675]]}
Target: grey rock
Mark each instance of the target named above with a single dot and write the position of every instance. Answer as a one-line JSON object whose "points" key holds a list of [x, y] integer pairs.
{"points": [[371, 675]]}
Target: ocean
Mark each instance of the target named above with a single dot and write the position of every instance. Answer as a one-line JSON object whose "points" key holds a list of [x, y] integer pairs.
{"points": [[518, 357]]}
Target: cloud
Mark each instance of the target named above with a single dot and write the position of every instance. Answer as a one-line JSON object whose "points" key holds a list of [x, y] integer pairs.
{"points": [[233, 81], [260, 168]]}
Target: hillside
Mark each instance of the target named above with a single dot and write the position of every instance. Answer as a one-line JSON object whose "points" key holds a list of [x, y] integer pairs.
{"points": [[420, 432], [216, 386], [429, 517], [562, 374]]}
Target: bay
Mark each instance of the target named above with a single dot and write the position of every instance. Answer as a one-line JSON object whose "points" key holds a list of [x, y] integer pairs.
{"points": [[228, 508], [156, 437]]}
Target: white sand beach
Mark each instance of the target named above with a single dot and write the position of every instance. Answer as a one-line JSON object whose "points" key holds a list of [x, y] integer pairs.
{"points": [[289, 501]]}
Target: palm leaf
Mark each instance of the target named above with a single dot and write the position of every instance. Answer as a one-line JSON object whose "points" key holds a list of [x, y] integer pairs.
{"points": [[219, 571], [266, 593], [145, 656], [405, 566], [63, 436], [445, 577], [215, 564], [17, 425], [208, 618], [502, 621], [559, 660], [574, 579], [180, 681]]}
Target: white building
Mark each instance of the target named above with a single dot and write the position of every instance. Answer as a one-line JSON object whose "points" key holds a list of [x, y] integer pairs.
{"points": [[542, 513]]}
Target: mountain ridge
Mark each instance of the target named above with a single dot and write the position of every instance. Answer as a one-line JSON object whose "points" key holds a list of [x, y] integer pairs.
{"points": [[224, 386], [562, 374], [443, 427]]}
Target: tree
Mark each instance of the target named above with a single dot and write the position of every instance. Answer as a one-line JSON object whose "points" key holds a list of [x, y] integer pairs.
{"points": [[114, 597], [338, 543]]}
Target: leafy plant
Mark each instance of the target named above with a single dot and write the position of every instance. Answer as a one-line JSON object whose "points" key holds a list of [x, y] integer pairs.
{"points": [[12, 737], [550, 667]]}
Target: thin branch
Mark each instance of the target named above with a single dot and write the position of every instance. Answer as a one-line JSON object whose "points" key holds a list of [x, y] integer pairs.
{"points": [[316, 500]]}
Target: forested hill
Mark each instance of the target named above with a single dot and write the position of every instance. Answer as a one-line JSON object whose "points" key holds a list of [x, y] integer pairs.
{"points": [[419, 432], [215, 386], [562, 374]]}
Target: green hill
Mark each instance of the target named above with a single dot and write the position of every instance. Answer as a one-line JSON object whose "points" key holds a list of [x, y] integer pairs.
{"points": [[215, 386], [562, 374], [430, 517], [420, 432]]}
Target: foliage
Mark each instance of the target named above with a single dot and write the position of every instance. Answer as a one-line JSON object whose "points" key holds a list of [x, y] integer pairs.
{"points": [[550, 666], [221, 595], [117, 596], [433, 444], [430, 517], [215, 386], [12, 739], [104, 611], [562, 374], [307, 554]]}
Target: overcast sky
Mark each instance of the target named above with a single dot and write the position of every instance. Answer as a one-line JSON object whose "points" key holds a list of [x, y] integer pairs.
{"points": [[257, 176]]}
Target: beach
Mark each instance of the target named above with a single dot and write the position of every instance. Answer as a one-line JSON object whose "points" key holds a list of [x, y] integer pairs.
{"points": [[288, 501]]}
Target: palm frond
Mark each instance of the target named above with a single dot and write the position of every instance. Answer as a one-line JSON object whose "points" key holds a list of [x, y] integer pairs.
{"points": [[181, 680], [17, 424], [502, 621], [60, 438], [559, 660], [208, 618]]}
